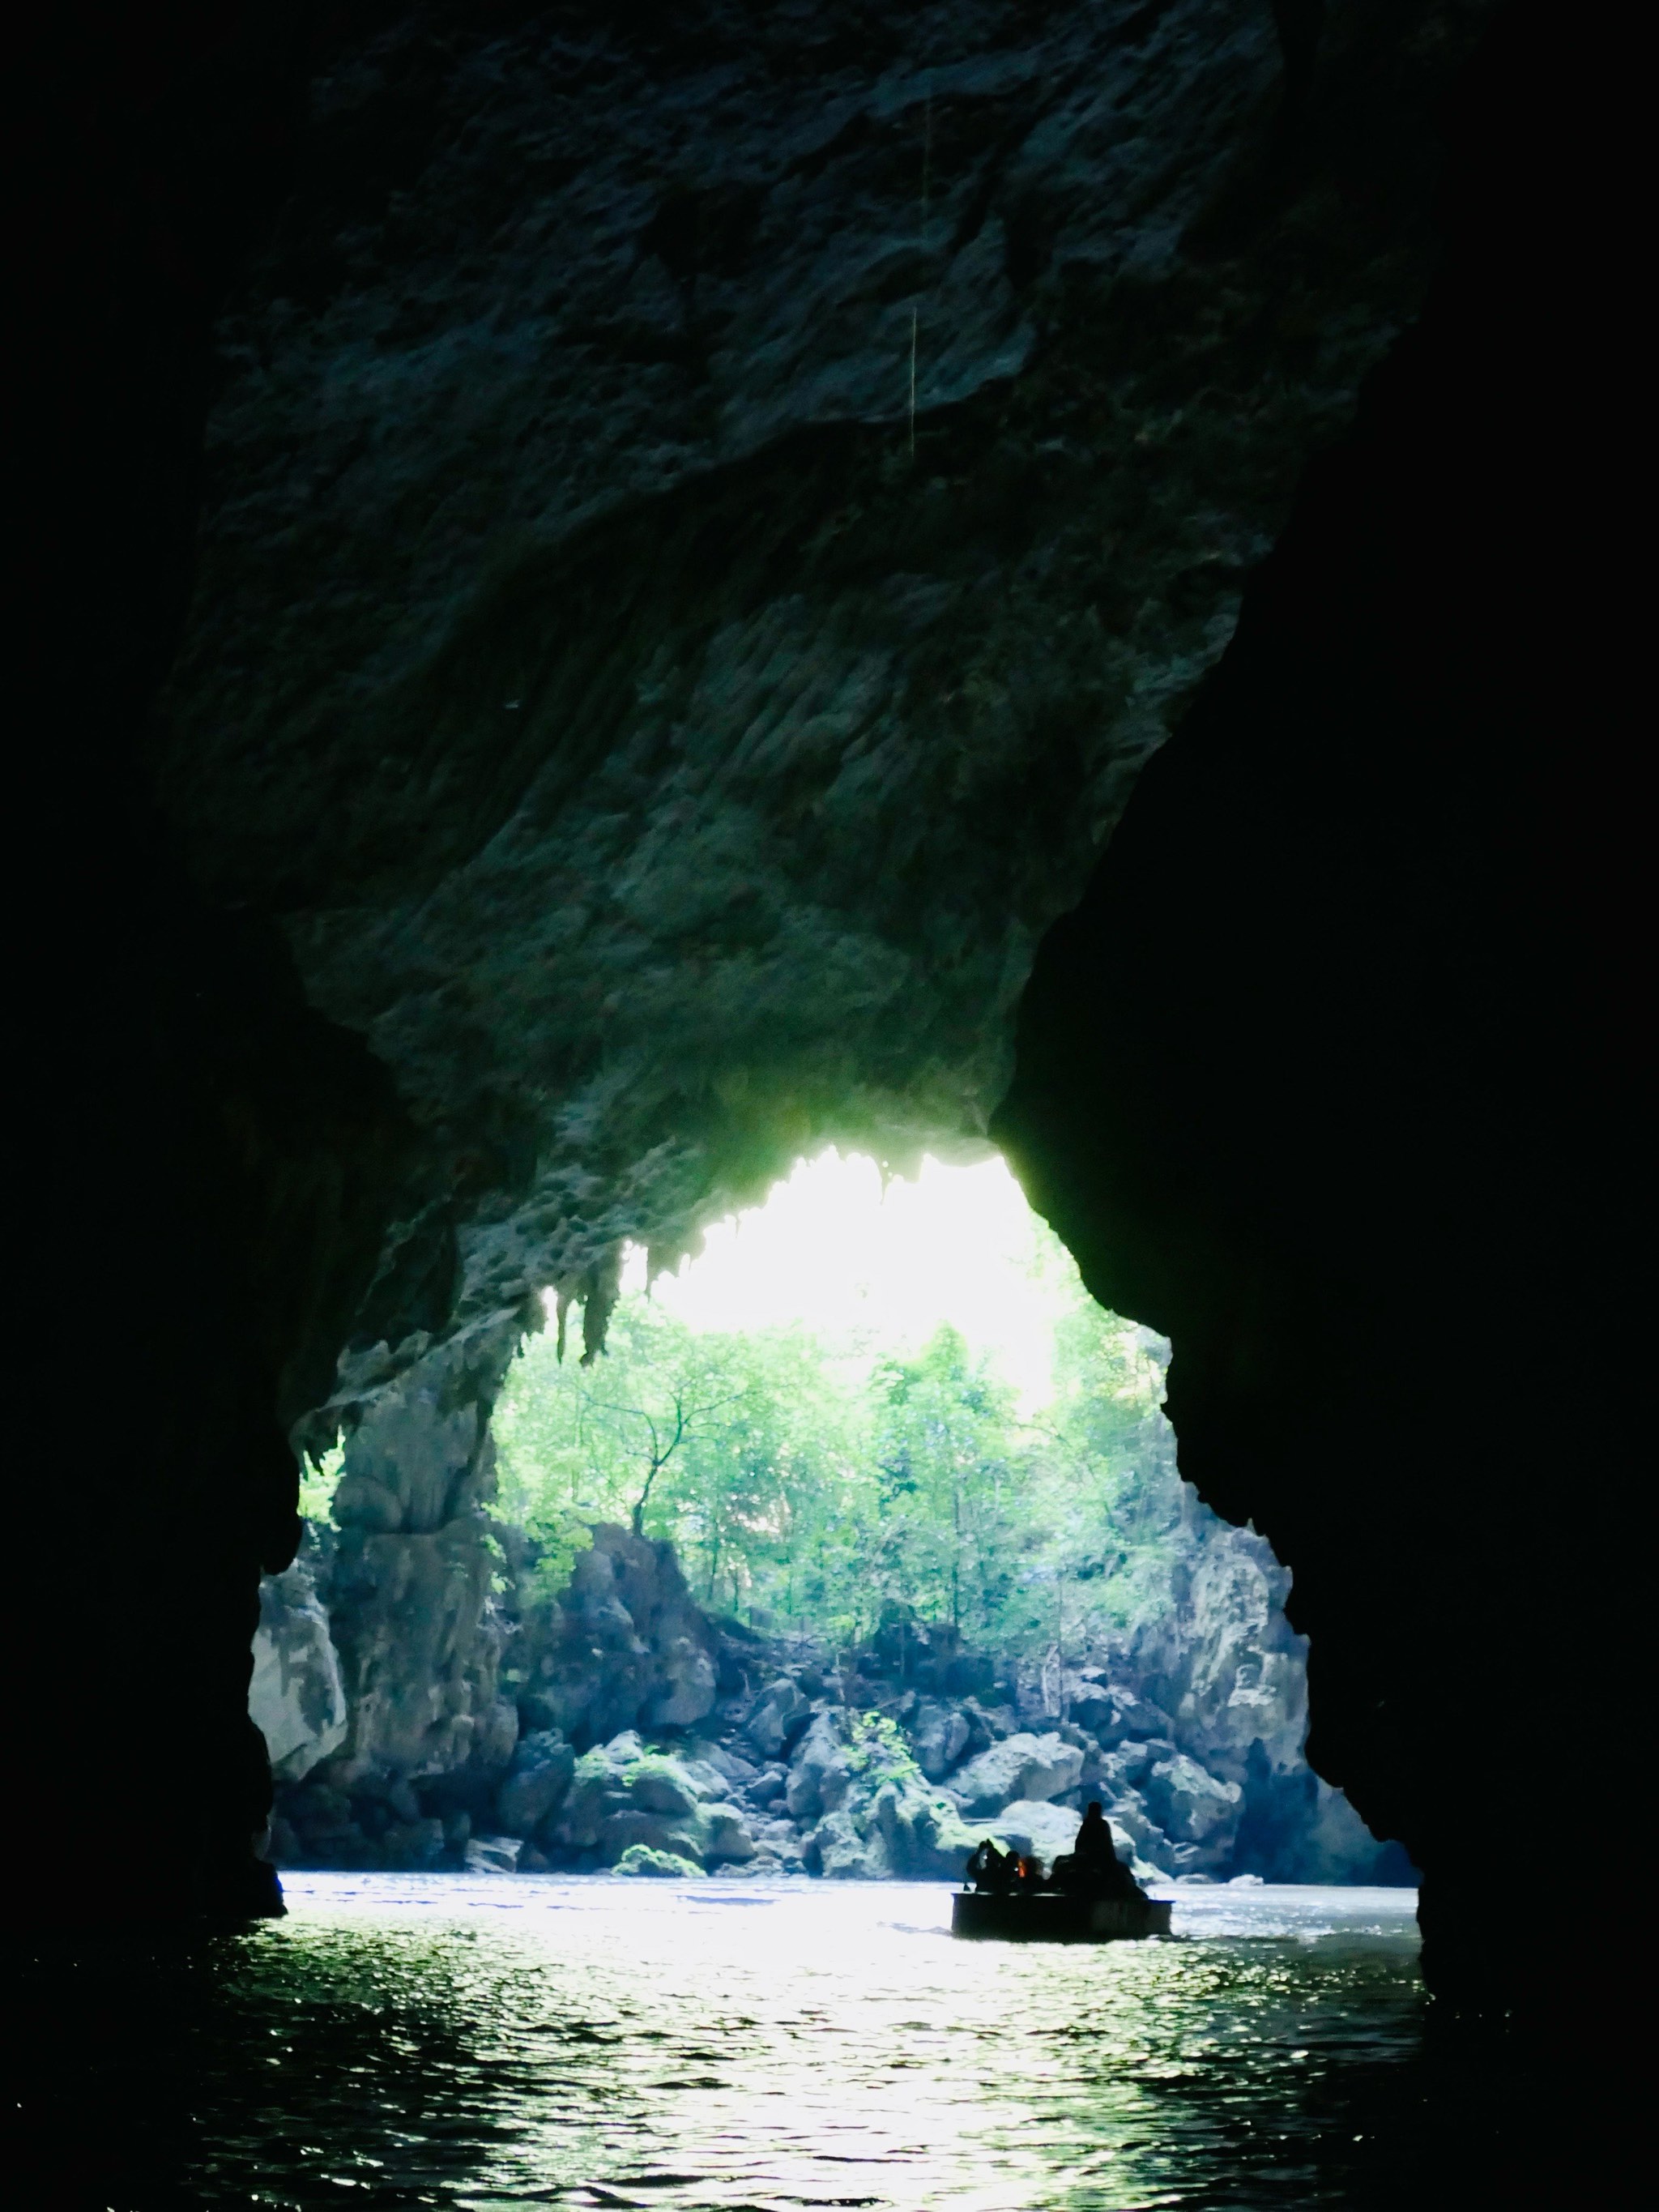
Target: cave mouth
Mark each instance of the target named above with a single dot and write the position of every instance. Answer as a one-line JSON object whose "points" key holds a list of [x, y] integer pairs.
{"points": [[869, 1496]]}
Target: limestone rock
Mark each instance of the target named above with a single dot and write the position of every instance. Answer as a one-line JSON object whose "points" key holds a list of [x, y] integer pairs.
{"points": [[1192, 1806], [725, 1836], [820, 1771], [625, 1646], [623, 1795], [662, 1785], [631, 1826], [889, 1828], [420, 1652], [1033, 1827], [839, 1849], [642, 1859], [537, 1780], [780, 1714], [462, 490], [1115, 1712], [297, 1696], [1029, 1767], [684, 1688], [729, 1766], [939, 1736], [493, 1855]]}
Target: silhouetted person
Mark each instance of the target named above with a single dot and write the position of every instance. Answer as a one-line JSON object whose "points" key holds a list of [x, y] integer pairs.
{"points": [[1092, 1867], [992, 1871]]}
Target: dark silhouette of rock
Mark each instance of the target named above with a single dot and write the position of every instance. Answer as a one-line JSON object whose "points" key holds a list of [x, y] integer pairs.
{"points": [[1378, 878], [429, 990]]}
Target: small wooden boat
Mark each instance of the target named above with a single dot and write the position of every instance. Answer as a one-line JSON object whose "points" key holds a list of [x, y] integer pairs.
{"points": [[1050, 1917]]}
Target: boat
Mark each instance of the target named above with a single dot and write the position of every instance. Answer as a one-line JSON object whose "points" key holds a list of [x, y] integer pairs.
{"points": [[1051, 1917]]}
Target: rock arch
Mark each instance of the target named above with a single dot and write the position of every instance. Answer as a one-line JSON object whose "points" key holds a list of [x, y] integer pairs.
{"points": [[603, 758]]}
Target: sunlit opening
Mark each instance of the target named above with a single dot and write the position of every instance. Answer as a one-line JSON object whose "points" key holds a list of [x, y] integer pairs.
{"points": [[860, 1551], [866, 1399], [866, 1260]]}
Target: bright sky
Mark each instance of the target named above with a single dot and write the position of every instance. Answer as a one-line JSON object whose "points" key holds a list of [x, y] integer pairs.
{"points": [[832, 1248]]}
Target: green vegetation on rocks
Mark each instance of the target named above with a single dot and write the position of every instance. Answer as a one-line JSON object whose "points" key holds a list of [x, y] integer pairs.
{"points": [[812, 1485]]}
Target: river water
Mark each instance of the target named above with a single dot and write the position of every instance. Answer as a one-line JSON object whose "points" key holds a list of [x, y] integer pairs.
{"points": [[480, 2042]]}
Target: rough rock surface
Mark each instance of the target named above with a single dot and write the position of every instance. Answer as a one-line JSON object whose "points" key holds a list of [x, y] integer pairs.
{"points": [[296, 1698], [1034, 1767], [469, 1707], [623, 1646], [1386, 1070], [664, 748], [538, 1782], [661, 758], [784, 1756], [1442, 616]]}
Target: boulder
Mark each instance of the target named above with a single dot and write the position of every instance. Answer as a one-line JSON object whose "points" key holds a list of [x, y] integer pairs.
{"points": [[1191, 1805], [1113, 1713], [621, 1795], [1150, 1850], [685, 1682], [777, 1717], [1032, 1768], [736, 1771], [1032, 1828], [493, 1855], [725, 1835], [709, 1778], [821, 1771], [641, 1859], [537, 1780], [924, 1836], [838, 1850], [940, 1736], [656, 1785], [621, 1830], [594, 1784]]}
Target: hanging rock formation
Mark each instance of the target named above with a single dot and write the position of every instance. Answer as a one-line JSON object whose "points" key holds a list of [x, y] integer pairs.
{"points": [[663, 750]]}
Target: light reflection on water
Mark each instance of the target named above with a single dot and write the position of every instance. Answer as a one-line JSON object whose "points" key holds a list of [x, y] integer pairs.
{"points": [[480, 2044]]}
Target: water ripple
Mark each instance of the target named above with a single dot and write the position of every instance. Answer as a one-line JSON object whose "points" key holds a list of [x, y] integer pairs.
{"points": [[456, 2042]]}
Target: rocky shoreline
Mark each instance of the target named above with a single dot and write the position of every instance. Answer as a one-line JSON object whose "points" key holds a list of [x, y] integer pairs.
{"points": [[629, 1729]]}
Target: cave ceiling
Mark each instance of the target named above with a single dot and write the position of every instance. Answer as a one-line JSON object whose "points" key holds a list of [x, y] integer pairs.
{"points": [[663, 742]]}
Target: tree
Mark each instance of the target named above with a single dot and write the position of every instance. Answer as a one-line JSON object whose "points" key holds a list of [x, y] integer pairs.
{"points": [[949, 1449], [811, 1483]]}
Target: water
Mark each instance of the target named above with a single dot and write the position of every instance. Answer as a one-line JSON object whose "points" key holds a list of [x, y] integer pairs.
{"points": [[475, 2042]]}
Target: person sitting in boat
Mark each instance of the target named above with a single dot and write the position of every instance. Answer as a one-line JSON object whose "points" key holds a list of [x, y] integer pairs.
{"points": [[1092, 1867], [991, 1871]]}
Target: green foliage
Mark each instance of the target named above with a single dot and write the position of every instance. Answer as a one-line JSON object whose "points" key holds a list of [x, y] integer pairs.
{"points": [[876, 1748], [319, 1481], [816, 1487], [643, 1859]]}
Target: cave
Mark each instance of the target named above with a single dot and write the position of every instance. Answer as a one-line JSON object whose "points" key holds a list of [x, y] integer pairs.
{"points": [[612, 605]]}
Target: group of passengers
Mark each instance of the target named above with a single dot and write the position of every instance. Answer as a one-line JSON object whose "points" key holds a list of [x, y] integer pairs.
{"points": [[1091, 1868]]}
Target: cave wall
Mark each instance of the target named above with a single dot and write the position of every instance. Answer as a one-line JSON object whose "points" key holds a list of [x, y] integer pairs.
{"points": [[203, 1161], [664, 754], [599, 760], [1362, 1136], [661, 748]]}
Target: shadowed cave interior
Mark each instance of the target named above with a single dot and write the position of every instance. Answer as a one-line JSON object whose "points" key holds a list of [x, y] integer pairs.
{"points": [[502, 811]]}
